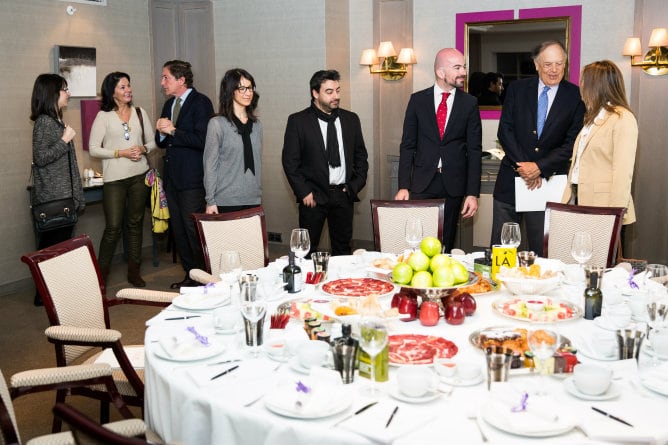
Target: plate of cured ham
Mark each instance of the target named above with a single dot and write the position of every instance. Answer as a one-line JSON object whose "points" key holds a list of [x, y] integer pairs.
{"points": [[357, 287], [418, 349]]}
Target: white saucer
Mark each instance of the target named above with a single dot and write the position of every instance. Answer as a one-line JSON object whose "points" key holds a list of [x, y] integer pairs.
{"points": [[428, 397], [297, 366], [612, 392], [457, 381], [228, 331]]}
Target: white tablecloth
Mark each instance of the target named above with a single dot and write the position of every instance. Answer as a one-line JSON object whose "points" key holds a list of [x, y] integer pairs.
{"points": [[183, 407]]}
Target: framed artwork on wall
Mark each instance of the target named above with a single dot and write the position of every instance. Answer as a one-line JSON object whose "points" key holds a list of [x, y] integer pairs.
{"points": [[77, 65], [88, 2]]}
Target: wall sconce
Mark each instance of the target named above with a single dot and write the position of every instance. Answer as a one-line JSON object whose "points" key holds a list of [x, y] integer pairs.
{"points": [[70, 10], [655, 62], [392, 67]]}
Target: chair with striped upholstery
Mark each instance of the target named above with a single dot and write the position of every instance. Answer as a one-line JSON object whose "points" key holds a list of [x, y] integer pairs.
{"points": [[604, 224]]}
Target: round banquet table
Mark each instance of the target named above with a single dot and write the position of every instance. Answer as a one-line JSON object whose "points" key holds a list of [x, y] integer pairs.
{"points": [[182, 408]]}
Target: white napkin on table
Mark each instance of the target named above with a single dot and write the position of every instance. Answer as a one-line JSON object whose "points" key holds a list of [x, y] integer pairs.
{"points": [[184, 345], [320, 400], [550, 264], [371, 423], [648, 420], [217, 290]]}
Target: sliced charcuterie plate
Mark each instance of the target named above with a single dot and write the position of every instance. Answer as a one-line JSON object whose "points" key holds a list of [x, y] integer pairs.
{"points": [[418, 349]]}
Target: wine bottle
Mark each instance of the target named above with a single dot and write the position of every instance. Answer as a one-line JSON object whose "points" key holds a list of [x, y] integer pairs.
{"points": [[292, 275], [593, 298]]}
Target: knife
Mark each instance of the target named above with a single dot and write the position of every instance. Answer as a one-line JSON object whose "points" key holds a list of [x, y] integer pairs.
{"points": [[185, 317], [600, 411], [359, 411], [223, 362], [224, 372]]}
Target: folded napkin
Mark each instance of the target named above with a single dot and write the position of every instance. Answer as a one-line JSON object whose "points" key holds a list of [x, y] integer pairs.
{"points": [[186, 346], [647, 415], [536, 419], [307, 398], [217, 290], [371, 423]]}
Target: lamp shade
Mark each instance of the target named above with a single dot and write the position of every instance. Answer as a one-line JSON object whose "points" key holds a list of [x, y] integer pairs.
{"points": [[659, 37], [632, 47], [368, 57], [406, 56], [386, 49]]}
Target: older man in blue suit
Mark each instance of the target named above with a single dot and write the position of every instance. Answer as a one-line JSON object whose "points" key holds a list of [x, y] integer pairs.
{"points": [[540, 120], [181, 129]]}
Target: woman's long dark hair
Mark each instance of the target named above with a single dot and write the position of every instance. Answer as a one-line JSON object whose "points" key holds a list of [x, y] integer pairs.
{"points": [[228, 86], [107, 89], [45, 95]]}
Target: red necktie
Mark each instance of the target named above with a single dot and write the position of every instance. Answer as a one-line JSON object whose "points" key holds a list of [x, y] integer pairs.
{"points": [[442, 114]]}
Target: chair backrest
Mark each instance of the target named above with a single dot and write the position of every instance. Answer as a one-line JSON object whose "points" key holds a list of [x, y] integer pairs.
{"points": [[9, 433], [604, 224], [244, 231], [87, 431], [68, 280], [389, 221]]}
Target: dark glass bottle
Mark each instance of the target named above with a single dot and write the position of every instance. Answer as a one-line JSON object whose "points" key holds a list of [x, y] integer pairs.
{"points": [[593, 297], [345, 350], [484, 265], [292, 275]]}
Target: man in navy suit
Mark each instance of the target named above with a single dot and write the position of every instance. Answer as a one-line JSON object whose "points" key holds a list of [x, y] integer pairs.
{"points": [[440, 152], [325, 162], [181, 129], [532, 154]]}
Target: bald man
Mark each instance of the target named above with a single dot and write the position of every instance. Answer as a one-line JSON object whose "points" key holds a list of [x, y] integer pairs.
{"points": [[440, 152]]}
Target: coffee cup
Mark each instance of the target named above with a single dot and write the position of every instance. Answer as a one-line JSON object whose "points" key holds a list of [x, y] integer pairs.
{"points": [[226, 318], [591, 379], [416, 381], [312, 353], [468, 371], [445, 367], [276, 346]]}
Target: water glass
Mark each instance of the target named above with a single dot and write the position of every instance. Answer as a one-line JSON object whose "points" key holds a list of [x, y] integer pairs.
{"points": [[300, 242], [413, 232], [510, 234], [373, 339], [253, 310], [581, 247], [543, 342], [229, 268]]}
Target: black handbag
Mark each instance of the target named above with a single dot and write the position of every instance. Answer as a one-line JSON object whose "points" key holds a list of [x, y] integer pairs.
{"points": [[54, 214]]}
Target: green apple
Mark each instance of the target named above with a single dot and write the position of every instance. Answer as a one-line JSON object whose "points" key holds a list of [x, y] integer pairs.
{"points": [[421, 279], [460, 272], [444, 277], [402, 273], [439, 260], [430, 246], [418, 261]]}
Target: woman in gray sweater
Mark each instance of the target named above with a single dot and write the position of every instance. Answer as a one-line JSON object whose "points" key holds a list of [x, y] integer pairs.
{"points": [[55, 169], [233, 149]]}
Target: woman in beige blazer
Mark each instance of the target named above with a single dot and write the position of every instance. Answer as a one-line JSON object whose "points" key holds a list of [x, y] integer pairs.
{"points": [[604, 152]]}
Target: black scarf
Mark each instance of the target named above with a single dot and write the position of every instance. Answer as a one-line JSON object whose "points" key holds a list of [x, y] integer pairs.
{"points": [[245, 130], [332, 148]]}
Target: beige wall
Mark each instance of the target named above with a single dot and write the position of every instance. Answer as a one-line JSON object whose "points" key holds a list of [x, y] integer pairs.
{"points": [[282, 42]]}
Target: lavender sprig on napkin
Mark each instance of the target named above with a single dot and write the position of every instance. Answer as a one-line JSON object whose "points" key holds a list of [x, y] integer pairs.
{"points": [[632, 284], [523, 404], [200, 338]]}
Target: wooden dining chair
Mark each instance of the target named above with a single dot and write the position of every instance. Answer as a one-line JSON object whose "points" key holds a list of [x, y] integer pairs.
{"points": [[244, 231], [389, 221], [604, 224], [68, 278]]}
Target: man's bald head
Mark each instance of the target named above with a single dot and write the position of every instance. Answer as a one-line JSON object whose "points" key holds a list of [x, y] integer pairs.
{"points": [[449, 69]]}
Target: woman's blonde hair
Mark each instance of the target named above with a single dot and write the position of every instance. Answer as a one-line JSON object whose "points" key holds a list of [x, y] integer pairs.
{"points": [[602, 86]]}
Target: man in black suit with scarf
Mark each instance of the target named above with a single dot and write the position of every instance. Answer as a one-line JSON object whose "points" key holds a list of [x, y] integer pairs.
{"points": [[441, 145], [325, 162], [181, 129], [536, 150]]}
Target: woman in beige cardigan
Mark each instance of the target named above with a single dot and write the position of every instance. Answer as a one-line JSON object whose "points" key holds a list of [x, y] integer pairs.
{"points": [[604, 152]]}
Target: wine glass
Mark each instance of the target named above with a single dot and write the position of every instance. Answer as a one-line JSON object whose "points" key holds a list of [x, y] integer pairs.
{"points": [[229, 268], [413, 232], [581, 247], [300, 243], [543, 342], [373, 339], [510, 234], [253, 310]]}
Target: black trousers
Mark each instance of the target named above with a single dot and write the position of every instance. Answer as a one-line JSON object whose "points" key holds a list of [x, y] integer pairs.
{"points": [[534, 223], [182, 204], [339, 215], [453, 206]]}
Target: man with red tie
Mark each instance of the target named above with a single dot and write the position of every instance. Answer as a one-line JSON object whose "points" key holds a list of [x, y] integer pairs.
{"points": [[441, 145]]}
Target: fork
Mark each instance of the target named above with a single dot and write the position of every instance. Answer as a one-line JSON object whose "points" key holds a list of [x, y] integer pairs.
{"points": [[474, 417]]}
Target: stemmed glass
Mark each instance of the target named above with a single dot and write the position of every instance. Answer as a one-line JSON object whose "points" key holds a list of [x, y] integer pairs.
{"points": [[229, 268], [300, 243], [543, 342], [510, 234], [581, 247], [253, 309], [373, 339], [413, 232]]}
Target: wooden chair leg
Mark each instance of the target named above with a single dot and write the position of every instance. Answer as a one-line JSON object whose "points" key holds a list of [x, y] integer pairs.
{"points": [[57, 425], [104, 411]]}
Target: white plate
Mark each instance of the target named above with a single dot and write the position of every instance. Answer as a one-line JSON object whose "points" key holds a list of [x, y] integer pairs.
{"points": [[193, 303], [428, 397], [458, 381], [328, 401], [612, 392], [297, 366], [655, 384], [199, 354], [602, 323], [524, 423]]}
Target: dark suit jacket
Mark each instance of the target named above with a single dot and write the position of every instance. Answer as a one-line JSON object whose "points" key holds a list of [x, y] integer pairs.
{"points": [[305, 161], [518, 137], [460, 149], [184, 167]]}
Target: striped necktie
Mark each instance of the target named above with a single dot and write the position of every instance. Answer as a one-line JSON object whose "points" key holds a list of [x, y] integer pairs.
{"points": [[177, 110]]}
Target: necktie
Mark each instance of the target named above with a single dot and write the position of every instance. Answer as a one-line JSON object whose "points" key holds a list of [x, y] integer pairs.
{"points": [[177, 109], [542, 110], [332, 146], [442, 114]]}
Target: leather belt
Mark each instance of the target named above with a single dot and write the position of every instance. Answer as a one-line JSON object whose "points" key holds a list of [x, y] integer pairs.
{"points": [[337, 186]]}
